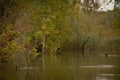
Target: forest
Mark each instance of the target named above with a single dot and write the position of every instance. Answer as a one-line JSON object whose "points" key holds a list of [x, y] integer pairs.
{"points": [[32, 28]]}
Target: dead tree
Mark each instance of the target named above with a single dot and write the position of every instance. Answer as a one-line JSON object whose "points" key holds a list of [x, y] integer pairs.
{"points": [[83, 45]]}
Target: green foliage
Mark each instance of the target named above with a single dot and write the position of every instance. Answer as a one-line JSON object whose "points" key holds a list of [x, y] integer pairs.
{"points": [[27, 40], [11, 50], [116, 23], [38, 35], [9, 47], [54, 24]]}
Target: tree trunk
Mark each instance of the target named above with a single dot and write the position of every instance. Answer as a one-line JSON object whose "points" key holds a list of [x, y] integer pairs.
{"points": [[44, 40], [83, 45]]}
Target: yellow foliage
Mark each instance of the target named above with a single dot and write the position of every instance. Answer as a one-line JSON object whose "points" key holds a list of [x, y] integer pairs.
{"points": [[44, 27]]}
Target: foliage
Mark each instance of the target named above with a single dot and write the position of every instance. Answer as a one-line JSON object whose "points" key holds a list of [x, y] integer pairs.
{"points": [[55, 24]]}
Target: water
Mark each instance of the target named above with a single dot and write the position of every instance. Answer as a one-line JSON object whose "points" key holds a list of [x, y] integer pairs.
{"points": [[67, 66]]}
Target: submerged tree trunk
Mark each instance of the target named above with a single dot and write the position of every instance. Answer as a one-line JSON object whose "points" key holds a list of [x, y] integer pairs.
{"points": [[83, 45]]}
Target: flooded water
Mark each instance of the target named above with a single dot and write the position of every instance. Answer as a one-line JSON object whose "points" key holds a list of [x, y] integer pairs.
{"points": [[67, 66]]}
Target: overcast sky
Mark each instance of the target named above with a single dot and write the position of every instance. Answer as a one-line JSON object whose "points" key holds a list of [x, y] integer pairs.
{"points": [[106, 5]]}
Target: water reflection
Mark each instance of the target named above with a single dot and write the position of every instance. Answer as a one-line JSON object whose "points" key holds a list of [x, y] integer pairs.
{"points": [[65, 67], [109, 55]]}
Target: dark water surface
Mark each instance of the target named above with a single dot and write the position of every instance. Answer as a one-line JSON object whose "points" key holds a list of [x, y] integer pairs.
{"points": [[67, 66]]}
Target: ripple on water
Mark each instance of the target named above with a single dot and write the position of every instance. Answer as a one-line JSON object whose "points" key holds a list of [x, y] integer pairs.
{"points": [[112, 75], [106, 76], [103, 78], [99, 66], [28, 68]]}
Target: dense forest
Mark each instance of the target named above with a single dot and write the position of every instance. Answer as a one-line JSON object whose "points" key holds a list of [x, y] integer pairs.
{"points": [[31, 28]]}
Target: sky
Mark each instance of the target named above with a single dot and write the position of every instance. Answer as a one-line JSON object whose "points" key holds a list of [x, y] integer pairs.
{"points": [[106, 5]]}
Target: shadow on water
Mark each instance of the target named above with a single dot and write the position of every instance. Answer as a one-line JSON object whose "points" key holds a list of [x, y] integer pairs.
{"points": [[67, 66]]}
